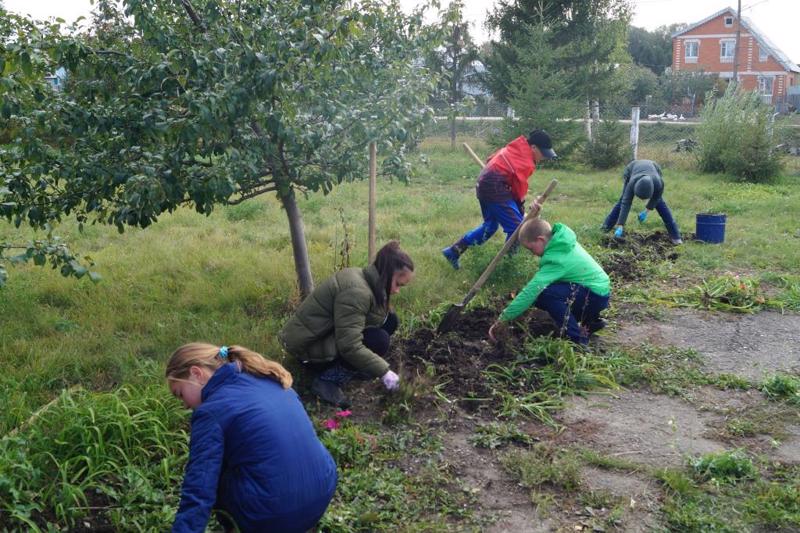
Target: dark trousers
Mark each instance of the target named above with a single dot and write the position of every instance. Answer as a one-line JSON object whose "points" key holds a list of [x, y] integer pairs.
{"points": [[571, 306], [663, 212], [376, 339]]}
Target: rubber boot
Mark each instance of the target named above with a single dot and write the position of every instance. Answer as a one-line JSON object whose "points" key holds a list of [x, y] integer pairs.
{"points": [[330, 392], [452, 253]]}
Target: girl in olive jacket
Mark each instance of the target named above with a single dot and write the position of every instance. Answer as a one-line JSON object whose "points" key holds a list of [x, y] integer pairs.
{"points": [[343, 327]]}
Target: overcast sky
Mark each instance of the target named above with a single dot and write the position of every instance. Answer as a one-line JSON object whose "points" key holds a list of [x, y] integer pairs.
{"points": [[778, 19]]}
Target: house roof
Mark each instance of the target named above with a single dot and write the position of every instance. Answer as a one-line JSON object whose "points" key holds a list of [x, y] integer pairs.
{"points": [[762, 39]]}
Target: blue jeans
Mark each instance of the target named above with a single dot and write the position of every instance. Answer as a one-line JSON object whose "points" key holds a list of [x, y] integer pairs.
{"points": [[663, 212], [571, 306], [495, 214]]}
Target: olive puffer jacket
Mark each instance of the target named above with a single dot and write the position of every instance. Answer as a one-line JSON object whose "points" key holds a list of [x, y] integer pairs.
{"points": [[330, 322]]}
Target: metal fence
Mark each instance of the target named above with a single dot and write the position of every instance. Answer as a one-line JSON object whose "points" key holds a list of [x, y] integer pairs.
{"points": [[669, 138]]}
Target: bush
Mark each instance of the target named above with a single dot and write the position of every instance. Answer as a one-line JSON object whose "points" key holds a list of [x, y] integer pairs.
{"points": [[608, 147], [738, 136]]}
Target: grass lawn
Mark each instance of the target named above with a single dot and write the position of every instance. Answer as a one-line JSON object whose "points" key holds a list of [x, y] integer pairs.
{"points": [[109, 446]]}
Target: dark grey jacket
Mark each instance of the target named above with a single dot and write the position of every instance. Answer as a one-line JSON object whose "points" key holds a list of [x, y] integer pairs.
{"points": [[636, 170]]}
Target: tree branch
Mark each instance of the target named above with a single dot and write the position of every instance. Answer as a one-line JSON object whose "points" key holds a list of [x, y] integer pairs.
{"points": [[193, 15], [252, 193]]}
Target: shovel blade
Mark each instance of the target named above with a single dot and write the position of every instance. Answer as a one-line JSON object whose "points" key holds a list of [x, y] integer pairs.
{"points": [[450, 318]]}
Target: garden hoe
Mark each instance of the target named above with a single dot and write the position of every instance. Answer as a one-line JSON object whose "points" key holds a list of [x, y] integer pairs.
{"points": [[451, 317]]}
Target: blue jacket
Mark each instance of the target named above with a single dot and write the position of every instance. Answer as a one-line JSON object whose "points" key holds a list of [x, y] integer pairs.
{"points": [[254, 453]]}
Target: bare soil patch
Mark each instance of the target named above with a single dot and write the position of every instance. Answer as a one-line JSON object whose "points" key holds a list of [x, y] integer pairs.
{"points": [[502, 501], [640, 495], [640, 427], [749, 345]]}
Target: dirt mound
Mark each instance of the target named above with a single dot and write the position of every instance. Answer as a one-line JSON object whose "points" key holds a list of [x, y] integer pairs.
{"points": [[459, 357], [631, 255]]}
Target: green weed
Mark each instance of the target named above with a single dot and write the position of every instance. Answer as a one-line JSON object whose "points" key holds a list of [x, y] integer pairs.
{"points": [[499, 434], [782, 387], [544, 466], [698, 502], [723, 467], [594, 458], [776, 505], [375, 494], [544, 372], [729, 292]]}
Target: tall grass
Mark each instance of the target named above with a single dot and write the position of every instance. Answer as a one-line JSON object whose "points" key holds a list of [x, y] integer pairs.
{"points": [[95, 456]]}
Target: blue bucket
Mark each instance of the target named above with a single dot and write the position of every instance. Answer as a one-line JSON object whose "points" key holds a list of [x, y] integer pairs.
{"points": [[710, 227]]}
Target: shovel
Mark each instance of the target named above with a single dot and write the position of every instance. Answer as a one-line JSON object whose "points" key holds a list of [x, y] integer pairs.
{"points": [[451, 317]]}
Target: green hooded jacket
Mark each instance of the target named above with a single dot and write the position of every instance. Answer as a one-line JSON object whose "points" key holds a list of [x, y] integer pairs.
{"points": [[330, 322], [564, 259]]}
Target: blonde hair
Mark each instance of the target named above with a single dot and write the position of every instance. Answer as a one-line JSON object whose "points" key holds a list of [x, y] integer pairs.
{"points": [[533, 229], [207, 356]]}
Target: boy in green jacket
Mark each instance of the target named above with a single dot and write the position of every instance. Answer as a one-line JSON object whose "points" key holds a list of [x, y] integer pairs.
{"points": [[570, 285]]}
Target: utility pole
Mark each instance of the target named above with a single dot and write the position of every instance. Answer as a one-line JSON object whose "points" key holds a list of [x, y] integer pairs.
{"points": [[736, 46]]}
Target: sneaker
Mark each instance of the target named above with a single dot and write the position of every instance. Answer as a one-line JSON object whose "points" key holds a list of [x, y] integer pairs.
{"points": [[330, 392], [677, 241], [596, 325], [451, 255]]}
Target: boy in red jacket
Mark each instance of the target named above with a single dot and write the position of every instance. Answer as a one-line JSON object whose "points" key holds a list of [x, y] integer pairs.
{"points": [[501, 190]]}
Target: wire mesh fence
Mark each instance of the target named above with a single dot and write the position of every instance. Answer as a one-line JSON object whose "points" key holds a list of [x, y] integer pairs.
{"points": [[670, 138]]}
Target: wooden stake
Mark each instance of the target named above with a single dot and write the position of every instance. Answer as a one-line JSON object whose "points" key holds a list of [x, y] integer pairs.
{"points": [[373, 174]]}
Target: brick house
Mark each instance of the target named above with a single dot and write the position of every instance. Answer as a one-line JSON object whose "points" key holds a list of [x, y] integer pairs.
{"points": [[709, 45]]}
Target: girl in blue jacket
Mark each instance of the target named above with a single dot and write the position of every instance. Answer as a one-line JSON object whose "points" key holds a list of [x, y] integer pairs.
{"points": [[253, 451]]}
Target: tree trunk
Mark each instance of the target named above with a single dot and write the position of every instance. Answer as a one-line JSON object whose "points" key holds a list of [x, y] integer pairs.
{"points": [[299, 248]]}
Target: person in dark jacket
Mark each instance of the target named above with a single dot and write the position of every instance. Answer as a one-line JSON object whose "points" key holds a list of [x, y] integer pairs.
{"points": [[642, 178], [342, 330], [253, 451], [501, 189]]}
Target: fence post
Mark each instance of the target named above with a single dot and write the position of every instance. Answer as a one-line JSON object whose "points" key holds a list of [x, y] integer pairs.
{"points": [[635, 130], [373, 173], [587, 121]]}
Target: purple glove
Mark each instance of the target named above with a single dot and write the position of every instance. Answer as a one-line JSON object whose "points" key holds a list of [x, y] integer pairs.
{"points": [[391, 380]]}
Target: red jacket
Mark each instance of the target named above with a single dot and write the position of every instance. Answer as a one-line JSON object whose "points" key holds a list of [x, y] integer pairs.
{"points": [[515, 161]]}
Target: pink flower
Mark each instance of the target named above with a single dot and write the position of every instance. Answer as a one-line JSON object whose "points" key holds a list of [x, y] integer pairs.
{"points": [[331, 424], [344, 414]]}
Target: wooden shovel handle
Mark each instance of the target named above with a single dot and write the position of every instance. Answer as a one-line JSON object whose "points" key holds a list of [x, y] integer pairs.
{"points": [[533, 212], [474, 156]]}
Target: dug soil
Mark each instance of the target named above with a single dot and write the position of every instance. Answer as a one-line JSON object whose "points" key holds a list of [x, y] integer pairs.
{"points": [[630, 256], [459, 357]]}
